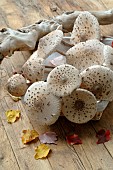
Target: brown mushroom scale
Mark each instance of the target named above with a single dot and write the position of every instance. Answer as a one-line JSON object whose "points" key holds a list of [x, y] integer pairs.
{"points": [[79, 105]]}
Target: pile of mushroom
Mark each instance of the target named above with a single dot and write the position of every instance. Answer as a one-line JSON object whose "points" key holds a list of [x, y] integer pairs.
{"points": [[70, 75]]}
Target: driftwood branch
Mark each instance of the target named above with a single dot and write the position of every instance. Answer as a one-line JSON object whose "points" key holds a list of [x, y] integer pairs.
{"points": [[27, 37]]}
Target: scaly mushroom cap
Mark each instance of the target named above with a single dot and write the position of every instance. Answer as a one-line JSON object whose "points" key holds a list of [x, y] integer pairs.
{"points": [[108, 56], [44, 105], [17, 85], [63, 79], [49, 43], [86, 54], [99, 80], [80, 106], [86, 27], [33, 69]]}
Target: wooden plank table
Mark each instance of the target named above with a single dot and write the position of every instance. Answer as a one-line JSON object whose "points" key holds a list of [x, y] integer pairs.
{"points": [[13, 154]]}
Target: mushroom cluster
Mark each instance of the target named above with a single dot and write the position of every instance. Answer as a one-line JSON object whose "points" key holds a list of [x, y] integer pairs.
{"points": [[70, 75]]}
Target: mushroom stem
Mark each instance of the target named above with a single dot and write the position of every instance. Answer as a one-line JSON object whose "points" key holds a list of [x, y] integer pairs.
{"points": [[25, 38]]}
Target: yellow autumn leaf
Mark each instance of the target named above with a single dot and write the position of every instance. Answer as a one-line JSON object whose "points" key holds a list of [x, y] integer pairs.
{"points": [[29, 135], [12, 115], [42, 151]]}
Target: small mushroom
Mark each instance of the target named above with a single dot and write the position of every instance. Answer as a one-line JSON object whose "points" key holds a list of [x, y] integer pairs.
{"points": [[86, 27], [17, 85], [99, 80], [44, 105], [80, 106], [63, 79], [86, 54], [108, 56], [49, 43], [33, 69]]}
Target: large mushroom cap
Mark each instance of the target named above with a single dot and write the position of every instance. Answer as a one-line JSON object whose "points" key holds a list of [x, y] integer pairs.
{"points": [[86, 27], [49, 43], [108, 56], [17, 85], [80, 106], [99, 80], [33, 69], [44, 105], [85, 54], [63, 79]]}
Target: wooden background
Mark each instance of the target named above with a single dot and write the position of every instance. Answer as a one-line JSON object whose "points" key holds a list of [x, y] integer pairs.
{"points": [[13, 154]]}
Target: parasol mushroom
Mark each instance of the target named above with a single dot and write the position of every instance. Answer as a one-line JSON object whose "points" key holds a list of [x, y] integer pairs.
{"points": [[63, 79], [85, 54], [99, 80], [33, 69], [80, 106], [86, 27], [17, 85], [43, 104], [48, 44]]}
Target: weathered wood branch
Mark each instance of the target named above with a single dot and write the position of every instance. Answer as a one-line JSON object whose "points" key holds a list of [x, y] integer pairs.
{"points": [[26, 38], [104, 18]]}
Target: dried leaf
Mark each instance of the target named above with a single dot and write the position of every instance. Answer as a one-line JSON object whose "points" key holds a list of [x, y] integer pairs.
{"points": [[42, 151], [48, 137], [29, 135], [103, 136], [58, 60], [12, 115], [112, 44], [73, 139]]}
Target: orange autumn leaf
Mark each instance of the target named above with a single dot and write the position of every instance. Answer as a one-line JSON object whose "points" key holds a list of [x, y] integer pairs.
{"points": [[42, 151], [29, 135], [12, 115]]}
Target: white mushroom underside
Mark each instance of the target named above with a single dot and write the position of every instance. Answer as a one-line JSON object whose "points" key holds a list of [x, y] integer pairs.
{"points": [[86, 107], [99, 80], [86, 54], [86, 27], [63, 79]]}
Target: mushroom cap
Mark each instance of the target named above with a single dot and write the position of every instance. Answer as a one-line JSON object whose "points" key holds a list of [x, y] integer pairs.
{"points": [[33, 69], [86, 54], [86, 27], [80, 106], [108, 56], [99, 80], [17, 85], [44, 105], [63, 79], [49, 43]]}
